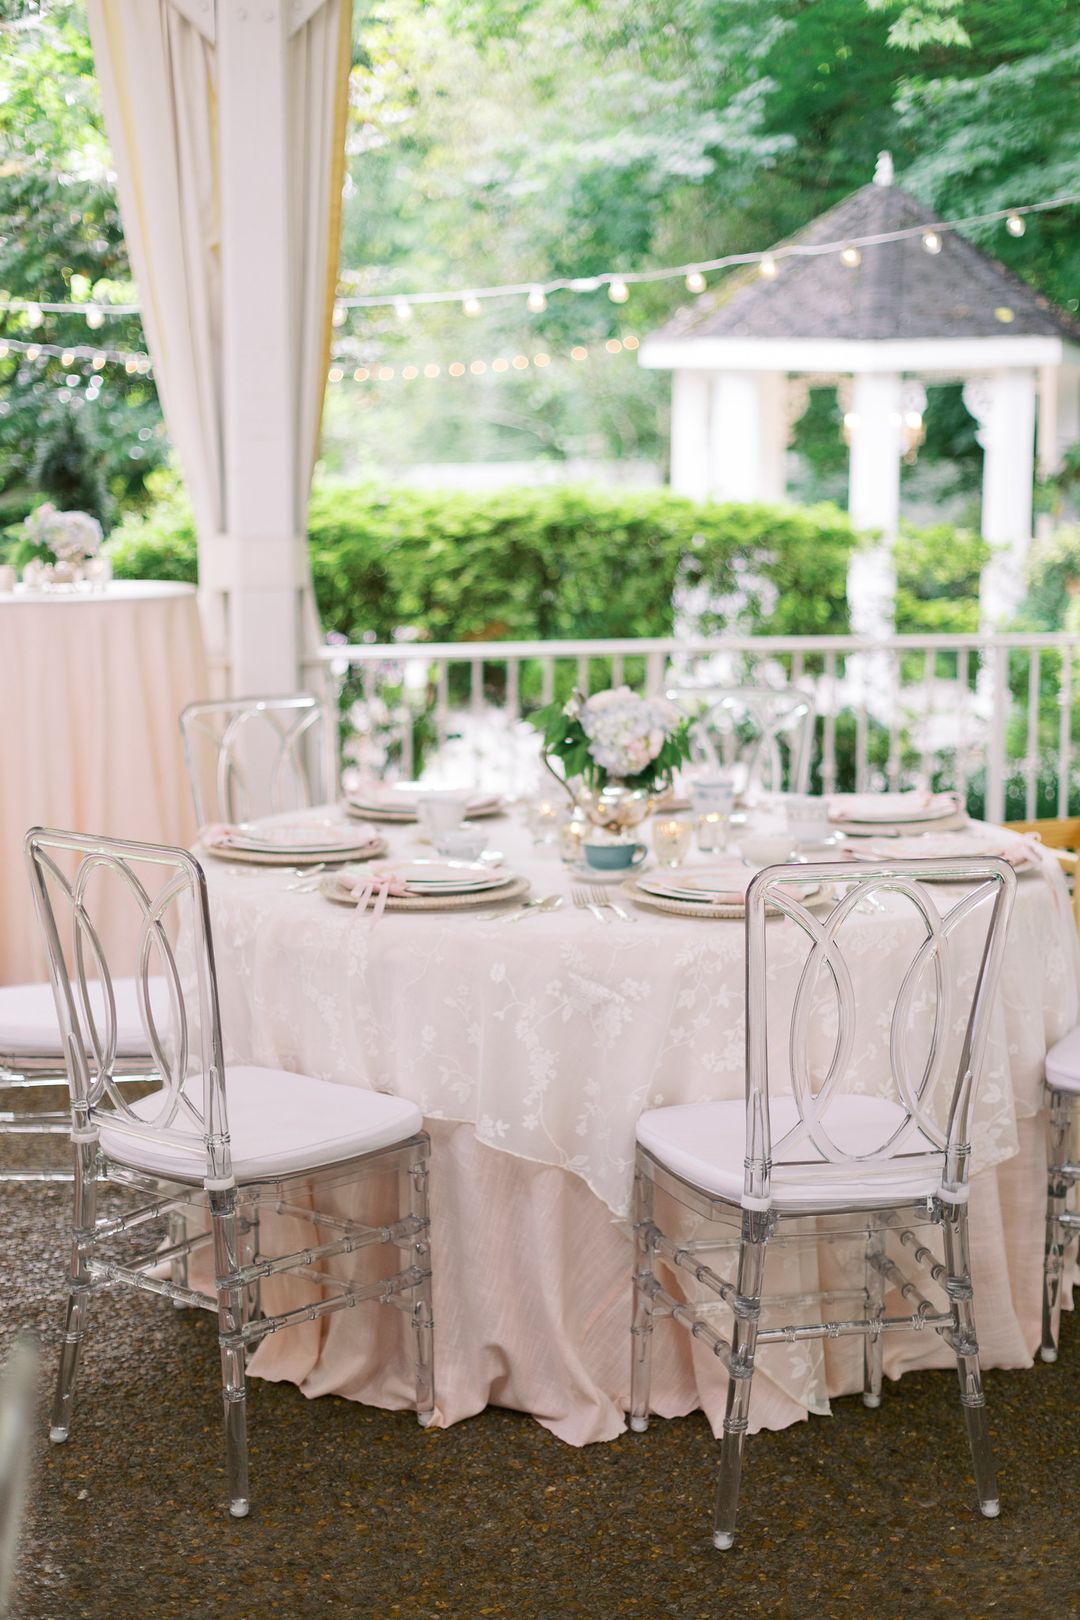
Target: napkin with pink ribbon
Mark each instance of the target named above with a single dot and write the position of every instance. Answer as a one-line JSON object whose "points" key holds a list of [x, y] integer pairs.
{"points": [[369, 890], [218, 834]]}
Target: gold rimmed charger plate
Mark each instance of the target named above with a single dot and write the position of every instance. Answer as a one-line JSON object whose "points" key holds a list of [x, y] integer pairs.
{"points": [[295, 858], [513, 889], [403, 818]]}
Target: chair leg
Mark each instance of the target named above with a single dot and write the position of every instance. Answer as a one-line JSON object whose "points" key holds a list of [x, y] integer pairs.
{"points": [[230, 1320], [84, 1216], [740, 1373], [423, 1323], [641, 1326], [873, 1345], [966, 1346], [1056, 1194]]}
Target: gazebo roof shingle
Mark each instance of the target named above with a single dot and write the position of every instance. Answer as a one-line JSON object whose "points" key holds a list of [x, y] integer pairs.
{"points": [[898, 290]]}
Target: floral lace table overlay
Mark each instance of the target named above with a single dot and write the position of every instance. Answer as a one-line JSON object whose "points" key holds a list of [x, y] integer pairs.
{"points": [[553, 1034]]}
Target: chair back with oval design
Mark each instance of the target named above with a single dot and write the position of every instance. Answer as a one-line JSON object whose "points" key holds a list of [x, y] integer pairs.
{"points": [[251, 757], [767, 733], [813, 1024], [171, 969]]}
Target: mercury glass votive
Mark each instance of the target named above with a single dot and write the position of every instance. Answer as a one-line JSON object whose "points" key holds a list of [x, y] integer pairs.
{"points": [[671, 839], [543, 821], [711, 832], [573, 827]]}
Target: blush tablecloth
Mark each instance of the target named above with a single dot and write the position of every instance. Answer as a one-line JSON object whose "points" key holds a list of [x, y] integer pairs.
{"points": [[92, 687], [532, 1048]]}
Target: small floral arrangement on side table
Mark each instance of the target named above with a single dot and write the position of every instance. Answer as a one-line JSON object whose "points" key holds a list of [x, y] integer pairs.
{"points": [[617, 751], [58, 546]]}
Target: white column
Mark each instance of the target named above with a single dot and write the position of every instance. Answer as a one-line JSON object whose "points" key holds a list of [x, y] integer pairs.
{"points": [[262, 568], [874, 426], [690, 434], [1003, 404], [748, 436]]}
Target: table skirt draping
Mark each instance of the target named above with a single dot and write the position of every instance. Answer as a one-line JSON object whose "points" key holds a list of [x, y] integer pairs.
{"points": [[532, 1305], [93, 687], [531, 1052]]}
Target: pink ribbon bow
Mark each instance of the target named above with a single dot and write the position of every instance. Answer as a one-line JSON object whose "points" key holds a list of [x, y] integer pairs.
{"points": [[369, 889]]}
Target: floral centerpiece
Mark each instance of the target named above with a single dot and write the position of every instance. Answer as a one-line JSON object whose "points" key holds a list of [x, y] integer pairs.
{"points": [[56, 546], [617, 751]]}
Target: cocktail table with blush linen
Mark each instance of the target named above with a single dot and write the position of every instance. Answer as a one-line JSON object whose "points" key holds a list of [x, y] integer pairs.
{"points": [[532, 1047]]}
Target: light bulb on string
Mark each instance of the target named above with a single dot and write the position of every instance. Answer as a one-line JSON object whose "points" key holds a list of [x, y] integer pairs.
{"points": [[341, 314], [471, 305], [695, 282], [98, 361], [850, 256], [536, 301], [579, 352], [67, 359], [618, 292], [33, 314], [1015, 225], [33, 351], [931, 241], [768, 269], [94, 317], [403, 309]]}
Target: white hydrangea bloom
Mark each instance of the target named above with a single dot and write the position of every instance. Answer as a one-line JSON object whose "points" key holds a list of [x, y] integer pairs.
{"points": [[625, 731]]}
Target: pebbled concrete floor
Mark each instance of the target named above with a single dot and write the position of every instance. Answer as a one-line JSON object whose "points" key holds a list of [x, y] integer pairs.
{"points": [[358, 1512]]}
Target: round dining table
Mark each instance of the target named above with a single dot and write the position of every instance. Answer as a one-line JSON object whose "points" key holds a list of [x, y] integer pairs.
{"points": [[93, 683], [532, 1042]]}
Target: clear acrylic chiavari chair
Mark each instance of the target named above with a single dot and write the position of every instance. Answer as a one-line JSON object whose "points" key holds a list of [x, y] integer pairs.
{"points": [[1062, 1178], [212, 1146], [258, 756], [855, 1131], [765, 733]]}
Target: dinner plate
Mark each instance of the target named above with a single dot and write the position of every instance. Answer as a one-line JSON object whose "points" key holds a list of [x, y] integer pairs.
{"points": [[891, 807], [404, 810], [296, 837], [726, 881], [445, 877], [511, 888], [936, 847]]}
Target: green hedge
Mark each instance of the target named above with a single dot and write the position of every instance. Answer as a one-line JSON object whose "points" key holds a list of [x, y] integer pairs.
{"points": [[540, 563]]}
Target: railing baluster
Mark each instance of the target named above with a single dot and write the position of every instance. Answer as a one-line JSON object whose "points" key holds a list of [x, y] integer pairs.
{"points": [[513, 688], [796, 668], [1031, 755], [862, 748], [583, 675], [442, 702], [995, 751], [1065, 732], [476, 685], [892, 769], [617, 668], [828, 742], [655, 665], [929, 671], [963, 716]]}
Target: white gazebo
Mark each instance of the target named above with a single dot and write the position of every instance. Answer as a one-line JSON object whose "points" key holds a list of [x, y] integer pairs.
{"points": [[878, 322]]}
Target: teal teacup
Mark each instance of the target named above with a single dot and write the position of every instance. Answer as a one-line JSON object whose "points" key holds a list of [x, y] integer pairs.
{"points": [[614, 857]]}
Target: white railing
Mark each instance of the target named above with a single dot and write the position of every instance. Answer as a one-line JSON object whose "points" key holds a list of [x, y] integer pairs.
{"points": [[989, 715]]}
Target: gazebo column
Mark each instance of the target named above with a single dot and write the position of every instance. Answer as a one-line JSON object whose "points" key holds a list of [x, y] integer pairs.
{"points": [[874, 425], [1058, 428], [690, 392], [1003, 405], [748, 436]]}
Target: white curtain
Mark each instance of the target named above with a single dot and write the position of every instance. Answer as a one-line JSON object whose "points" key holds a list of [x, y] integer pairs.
{"points": [[158, 70]]}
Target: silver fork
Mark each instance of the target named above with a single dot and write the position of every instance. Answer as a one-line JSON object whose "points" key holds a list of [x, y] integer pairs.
{"points": [[601, 898], [584, 901]]}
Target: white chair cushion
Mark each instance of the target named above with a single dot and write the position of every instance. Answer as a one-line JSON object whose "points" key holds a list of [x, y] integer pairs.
{"points": [[28, 1026], [279, 1123], [705, 1143], [1063, 1063]]}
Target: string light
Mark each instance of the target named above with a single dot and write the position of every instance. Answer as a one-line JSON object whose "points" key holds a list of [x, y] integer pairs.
{"points": [[768, 268], [579, 352], [94, 317], [471, 305], [537, 300], [850, 256], [403, 309], [1014, 224], [618, 292], [932, 241], [341, 315], [695, 282]]}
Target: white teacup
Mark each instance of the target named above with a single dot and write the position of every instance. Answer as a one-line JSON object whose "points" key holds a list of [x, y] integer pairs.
{"points": [[464, 843], [766, 848], [441, 812], [807, 818]]}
